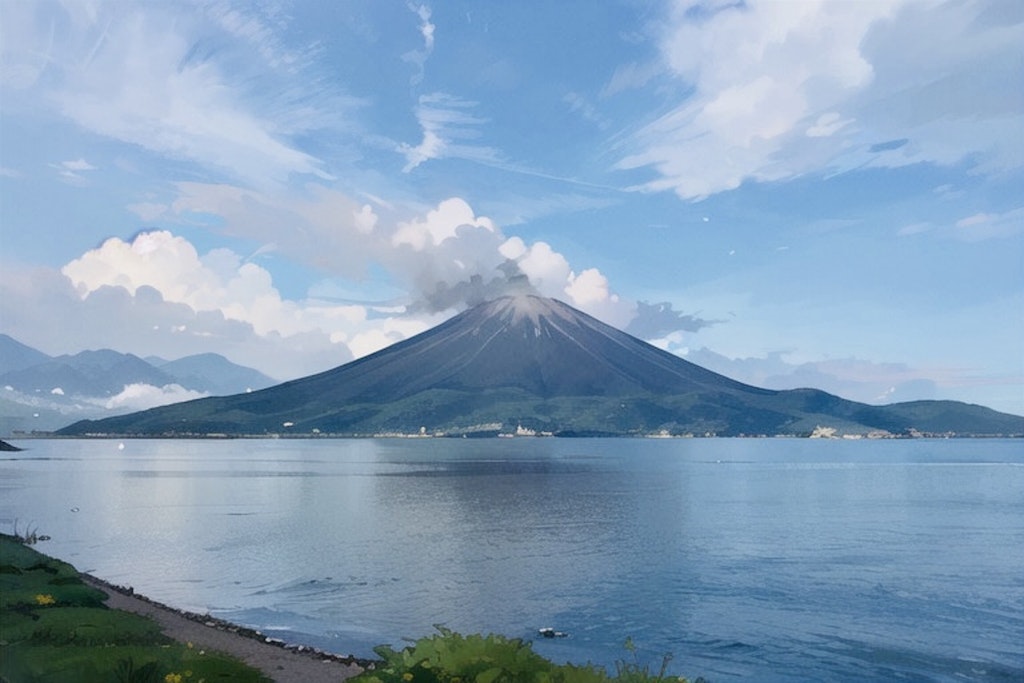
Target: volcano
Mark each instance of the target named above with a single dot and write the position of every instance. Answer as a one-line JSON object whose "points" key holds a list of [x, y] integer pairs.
{"points": [[535, 365]]}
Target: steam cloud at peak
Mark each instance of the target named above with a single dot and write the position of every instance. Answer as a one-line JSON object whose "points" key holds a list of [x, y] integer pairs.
{"points": [[445, 260]]}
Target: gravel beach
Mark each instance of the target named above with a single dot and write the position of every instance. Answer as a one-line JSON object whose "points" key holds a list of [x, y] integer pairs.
{"points": [[284, 663]]}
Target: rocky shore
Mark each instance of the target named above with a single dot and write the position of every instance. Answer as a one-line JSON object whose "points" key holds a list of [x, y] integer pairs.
{"points": [[283, 662]]}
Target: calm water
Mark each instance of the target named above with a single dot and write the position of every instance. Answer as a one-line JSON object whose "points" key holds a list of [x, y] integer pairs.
{"points": [[766, 560]]}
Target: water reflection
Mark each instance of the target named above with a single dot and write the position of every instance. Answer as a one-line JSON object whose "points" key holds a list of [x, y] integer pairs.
{"points": [[742, 557]]}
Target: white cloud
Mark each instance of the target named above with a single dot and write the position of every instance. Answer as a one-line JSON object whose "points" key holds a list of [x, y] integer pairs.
{"points": [[426, 28], [42, 304], [447, 122], [440, 224], [589, 291], [783, 89], [631, 76], [71, 171], [205, 84], [28, 45], [581, 105], [140, 396], [418, 58], [445, 258], [547, 269], [827, 124], [914, 229], [78, 165], [852, 378], [158, 294], [550, 274], [321, 227], [387, 331], [218, 281], [985, 226]]}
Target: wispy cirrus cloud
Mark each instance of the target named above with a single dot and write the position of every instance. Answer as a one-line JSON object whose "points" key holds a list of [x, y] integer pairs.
{"points": [[986, 226], [448, 125], [419, 58], [71, 171], [778, 90], [214, 86], [976, 227]]}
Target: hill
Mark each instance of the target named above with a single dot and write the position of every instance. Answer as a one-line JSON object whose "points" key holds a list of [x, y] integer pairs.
{"points": [[214, 374], [17, 356], [43, 393], [537, 365]]}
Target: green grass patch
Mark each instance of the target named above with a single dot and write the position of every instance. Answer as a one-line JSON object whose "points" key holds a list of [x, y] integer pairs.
{"points": [[449, 657], [54, 628]]}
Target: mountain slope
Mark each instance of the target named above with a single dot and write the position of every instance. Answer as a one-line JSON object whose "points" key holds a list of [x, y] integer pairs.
{"points": [[533, 362], [43, 393], [213, 374], [17, 356], [89, 373]]}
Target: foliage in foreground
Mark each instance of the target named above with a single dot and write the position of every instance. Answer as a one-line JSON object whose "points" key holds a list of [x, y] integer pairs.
{"points": [[449, 657], [53, 627]]}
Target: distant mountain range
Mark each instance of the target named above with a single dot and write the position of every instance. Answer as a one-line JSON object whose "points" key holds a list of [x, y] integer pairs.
{"points": [[39, 392], [529, 365]]}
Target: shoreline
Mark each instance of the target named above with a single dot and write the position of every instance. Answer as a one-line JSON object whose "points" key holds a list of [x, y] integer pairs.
{"points": [[281, 661]]}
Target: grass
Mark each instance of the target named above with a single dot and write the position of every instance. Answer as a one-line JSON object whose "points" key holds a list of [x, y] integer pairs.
{"points": [[449, 657], [55, 628]]}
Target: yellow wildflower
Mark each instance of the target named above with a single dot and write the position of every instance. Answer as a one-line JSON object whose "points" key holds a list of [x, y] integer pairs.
{"points": [[45, 599], [172, 678], [407, 676]]}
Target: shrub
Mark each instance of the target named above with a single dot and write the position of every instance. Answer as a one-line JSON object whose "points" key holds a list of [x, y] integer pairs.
{"points": [[449, 657]]}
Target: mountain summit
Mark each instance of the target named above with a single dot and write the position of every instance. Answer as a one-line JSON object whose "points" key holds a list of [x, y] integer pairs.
{"points": [[539, 364], [540, 346]]}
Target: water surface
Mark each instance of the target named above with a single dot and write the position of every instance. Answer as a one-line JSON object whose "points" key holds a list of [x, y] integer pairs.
{"points": [[767, 560]]}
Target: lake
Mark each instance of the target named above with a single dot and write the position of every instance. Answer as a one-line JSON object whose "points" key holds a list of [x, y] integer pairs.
{"points": [[747, 559]]}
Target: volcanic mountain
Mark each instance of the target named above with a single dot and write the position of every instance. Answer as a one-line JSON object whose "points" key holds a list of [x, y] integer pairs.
{"points": [[535, 364]]}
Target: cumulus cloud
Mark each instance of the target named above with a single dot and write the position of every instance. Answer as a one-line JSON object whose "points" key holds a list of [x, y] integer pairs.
{"points": [[217, 281], [439, 224], [157, 294], [445, 257], [778, 90], [43, 305]]}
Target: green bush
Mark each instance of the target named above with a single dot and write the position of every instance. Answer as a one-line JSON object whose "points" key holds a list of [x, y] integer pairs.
{"points": [[449, 657]]}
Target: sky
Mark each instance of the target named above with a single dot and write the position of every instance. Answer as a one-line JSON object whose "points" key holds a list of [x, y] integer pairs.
{"points": [[793, 193]]}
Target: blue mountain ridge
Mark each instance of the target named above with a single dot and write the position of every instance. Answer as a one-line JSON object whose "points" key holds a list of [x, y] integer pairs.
{"points": [[104, 372], [536, 365]]}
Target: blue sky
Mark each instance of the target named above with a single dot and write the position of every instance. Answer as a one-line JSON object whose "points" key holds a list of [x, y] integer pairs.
{"points": [[792, 193]]}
